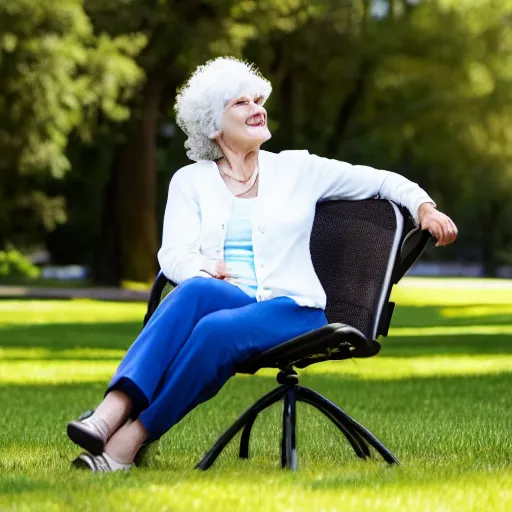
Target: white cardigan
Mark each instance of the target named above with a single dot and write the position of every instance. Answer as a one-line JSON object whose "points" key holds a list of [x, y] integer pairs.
{"points": [[290, 185]]}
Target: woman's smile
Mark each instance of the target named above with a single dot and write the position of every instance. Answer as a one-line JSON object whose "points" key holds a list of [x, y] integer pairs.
{"points": [[256, 120]]}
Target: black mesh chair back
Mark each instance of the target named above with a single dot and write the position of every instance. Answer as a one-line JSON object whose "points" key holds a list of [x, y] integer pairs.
{"points": [[354, 245]]}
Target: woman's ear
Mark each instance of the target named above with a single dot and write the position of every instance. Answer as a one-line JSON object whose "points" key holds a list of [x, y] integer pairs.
{"points": [[215, 135]]}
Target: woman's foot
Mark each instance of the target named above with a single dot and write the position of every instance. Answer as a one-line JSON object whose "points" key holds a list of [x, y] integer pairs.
{"points": [[90, 434], [93, 432], [99, 463]]}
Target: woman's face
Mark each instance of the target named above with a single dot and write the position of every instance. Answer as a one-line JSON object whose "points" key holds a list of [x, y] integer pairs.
{"points": [[244, 122]]}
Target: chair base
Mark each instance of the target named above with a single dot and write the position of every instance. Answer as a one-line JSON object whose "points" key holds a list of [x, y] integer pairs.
{"points": [[359, 437]]}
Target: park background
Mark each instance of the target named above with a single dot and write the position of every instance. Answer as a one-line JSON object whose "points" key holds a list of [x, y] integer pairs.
{"points": [[88, 140], [88, 143]]}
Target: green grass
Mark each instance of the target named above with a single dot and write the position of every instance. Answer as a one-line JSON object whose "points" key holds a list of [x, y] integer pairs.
{"points": [[439, 395]]}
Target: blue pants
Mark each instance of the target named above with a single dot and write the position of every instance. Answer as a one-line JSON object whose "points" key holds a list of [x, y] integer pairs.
{"points": [[193, 343]]}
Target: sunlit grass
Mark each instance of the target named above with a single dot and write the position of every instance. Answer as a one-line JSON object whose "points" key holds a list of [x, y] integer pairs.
{"points": [[451, 330], [55, 372], [418, 367], [82, 354], [76, 311], [438, 395], [451, 292], [36, 371], [478, 311]]}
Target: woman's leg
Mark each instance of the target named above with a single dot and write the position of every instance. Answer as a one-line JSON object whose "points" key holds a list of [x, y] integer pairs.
{"points": [[218, 343], [161, 340], [134, 384]]}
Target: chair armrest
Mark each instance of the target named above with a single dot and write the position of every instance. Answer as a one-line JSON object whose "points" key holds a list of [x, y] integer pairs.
{"points": [[413, 245], [156, 294]]}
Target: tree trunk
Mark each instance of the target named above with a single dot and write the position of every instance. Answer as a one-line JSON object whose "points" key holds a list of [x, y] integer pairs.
{"points": [[129, 235], [348, 109], [107, 261], [288, 112], [137, 190], [354, 97], [490, 238]]}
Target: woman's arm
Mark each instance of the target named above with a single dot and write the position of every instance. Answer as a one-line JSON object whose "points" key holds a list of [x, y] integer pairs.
{"points": [[332, 179], [179, 256]]}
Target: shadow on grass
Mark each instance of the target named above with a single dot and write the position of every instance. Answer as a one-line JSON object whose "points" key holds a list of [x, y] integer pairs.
{"points": [[467, 344], [56, 337]]}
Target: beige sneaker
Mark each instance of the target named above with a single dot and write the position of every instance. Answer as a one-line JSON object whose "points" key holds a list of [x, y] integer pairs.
{"points": [[91, 435], [99, 463]]}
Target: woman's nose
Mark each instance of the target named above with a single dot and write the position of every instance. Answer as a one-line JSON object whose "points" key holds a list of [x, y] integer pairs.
{"points": [[257, 109]]}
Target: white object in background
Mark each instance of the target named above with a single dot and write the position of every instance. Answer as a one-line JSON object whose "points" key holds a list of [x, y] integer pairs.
{"points": [[64, 272]]}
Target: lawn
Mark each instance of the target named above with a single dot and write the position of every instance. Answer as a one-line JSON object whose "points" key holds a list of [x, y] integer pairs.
{"points": [[439, 395]]}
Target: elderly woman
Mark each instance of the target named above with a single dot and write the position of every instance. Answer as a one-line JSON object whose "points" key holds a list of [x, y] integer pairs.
{"points": [[236, 241]]}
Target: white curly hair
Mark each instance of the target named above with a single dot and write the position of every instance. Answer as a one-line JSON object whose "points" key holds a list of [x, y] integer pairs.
{"points": [[202, 99]]}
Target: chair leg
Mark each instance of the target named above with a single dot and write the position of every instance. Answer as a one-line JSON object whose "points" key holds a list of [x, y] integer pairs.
{"points": [[347, 420], [288, 442], [270, 398], [356, 442], [244, 440]]}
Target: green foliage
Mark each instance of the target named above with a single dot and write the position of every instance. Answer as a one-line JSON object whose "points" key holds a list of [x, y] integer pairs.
{"points": [[58, 77], [423, 88], [13, 264]]}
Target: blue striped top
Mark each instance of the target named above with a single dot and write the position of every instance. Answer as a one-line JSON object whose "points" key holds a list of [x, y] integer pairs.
{"points": [[238, 251]]}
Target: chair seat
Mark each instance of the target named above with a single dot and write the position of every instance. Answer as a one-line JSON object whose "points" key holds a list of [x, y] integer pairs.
{"points": [[332, 341]]}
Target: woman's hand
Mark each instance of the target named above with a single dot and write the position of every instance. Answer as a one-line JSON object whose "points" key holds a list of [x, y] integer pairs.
{"points": [[221, 271], [440, 226]]}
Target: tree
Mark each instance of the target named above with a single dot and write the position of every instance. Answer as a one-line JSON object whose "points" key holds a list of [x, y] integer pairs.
{"points": [[440, 106], [57, 77], [418, 87]]}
